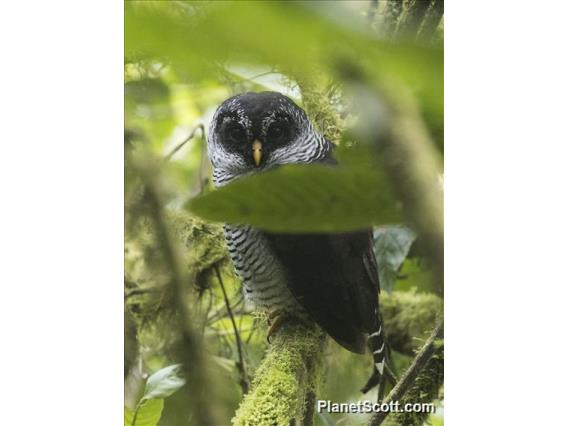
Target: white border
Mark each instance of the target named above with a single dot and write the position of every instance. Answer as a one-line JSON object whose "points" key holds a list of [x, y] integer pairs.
{"points": [[61, 225]]}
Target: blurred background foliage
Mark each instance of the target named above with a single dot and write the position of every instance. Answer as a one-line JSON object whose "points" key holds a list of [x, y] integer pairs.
{"points": [[335, 59]]}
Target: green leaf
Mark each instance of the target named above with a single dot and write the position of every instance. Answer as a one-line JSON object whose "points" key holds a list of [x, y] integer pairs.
{"points": [[302, 198], [163, 383], [147, 413], [392, 244], [229, 32], [128, 416]]}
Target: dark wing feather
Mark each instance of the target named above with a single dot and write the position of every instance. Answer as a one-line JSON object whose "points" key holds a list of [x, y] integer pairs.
{"points": [[334, 277]]}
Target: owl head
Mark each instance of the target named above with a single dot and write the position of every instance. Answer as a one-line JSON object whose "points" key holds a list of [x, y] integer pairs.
{"points": [[253, 132]]}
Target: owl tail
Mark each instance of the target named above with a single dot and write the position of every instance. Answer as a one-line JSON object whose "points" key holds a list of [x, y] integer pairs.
{"points": [[377, 344]]}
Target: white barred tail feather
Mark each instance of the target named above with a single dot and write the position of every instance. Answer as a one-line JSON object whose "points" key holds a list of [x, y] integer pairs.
{"points": [[377, 344]]}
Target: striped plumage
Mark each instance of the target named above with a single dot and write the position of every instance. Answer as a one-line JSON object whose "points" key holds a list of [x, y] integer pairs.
{"points": [[330, 278], [263, 276]]}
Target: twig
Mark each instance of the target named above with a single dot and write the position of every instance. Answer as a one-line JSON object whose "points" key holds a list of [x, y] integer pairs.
{"points": [[221, 312], [138, 291], [310, 409], [180, 145], [241, 364], [408, 378]]}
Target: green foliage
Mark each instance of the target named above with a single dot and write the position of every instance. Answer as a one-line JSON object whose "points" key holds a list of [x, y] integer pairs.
{"points": [[163, 383], [278, 33], [159, 385], [392, 244], [299, 198], [147, 414]]}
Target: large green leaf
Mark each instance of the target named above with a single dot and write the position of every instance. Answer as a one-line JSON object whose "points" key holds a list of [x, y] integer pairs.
{"points": [[282, 34], [302, 198], [163, 383], [148, 413], [392, 244]]}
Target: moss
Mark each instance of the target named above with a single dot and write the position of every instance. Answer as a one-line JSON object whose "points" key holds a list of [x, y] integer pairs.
{"points": [[149, 297], [200, 245], [409, 317], [203, 242], [320, 103], [291, 369]]}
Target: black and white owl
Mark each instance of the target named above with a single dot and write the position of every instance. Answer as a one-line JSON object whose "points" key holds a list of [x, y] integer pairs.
{"points": [[329, 277]]}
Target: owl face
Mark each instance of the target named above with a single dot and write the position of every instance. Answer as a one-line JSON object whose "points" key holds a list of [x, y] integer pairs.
{"points": [[253, 132]]}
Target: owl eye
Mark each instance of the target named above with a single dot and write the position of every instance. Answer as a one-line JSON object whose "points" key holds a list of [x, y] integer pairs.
{"points": [[237, 133], [276, 131]]}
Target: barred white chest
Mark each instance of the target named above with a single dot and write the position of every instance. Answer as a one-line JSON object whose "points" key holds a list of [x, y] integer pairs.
{"points": [[264, 281]]}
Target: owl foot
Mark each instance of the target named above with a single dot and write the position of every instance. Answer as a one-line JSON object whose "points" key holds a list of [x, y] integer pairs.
{"points": [[275, 320]]}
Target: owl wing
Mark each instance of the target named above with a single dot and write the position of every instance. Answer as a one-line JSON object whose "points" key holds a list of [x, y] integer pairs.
{"points": [[334, 277]]}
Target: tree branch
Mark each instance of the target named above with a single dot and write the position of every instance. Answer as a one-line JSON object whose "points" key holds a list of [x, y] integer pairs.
{"points": [[180, 145], [287, 379]]}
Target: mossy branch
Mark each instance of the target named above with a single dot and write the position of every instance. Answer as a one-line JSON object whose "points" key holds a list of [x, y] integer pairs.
{"points": [[425, 389], [285, 385], [286, 382]]}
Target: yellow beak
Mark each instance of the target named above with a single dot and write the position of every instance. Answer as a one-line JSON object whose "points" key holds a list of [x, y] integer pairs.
{"points": [[257, 152]]}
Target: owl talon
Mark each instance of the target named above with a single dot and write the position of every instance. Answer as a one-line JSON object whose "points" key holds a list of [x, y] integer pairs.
{"points": [[275, 320]]}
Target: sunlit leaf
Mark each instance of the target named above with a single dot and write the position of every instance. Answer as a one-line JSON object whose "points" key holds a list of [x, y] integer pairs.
{"points": [[163, 382], [392, 244]]}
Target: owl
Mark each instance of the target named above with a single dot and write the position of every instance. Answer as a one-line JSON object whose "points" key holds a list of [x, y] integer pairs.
{"points": [[330, 278]]}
